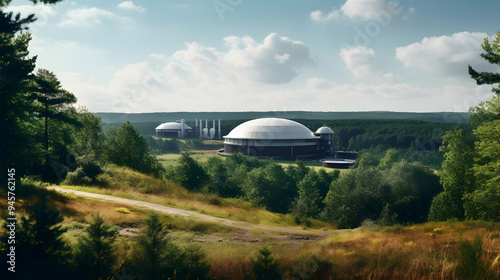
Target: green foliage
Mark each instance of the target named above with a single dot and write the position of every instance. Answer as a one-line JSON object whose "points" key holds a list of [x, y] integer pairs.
{"points": [[196, 265], [189, 173], [151, 246], [89, 136], [269, 186], [413, 187], [492, 55], [471, 167], [308, 202], [401, 194], [19, 149], [126, 147], [219, 178], [470, 261], [95, 254], [264, 266], [39, 243], [86, 174], [357, 195], [54, 108], [390, 157], [163, 146]]}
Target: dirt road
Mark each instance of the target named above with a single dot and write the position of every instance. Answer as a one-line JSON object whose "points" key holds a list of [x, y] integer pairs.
{"points": [[312, 234]]}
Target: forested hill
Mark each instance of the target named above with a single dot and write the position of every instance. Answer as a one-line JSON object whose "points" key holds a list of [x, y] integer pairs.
{"points": [[438, 117]]}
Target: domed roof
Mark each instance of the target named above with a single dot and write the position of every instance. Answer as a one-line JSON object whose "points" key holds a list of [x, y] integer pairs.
{"points": [[271, 129], [324, 130], [171, 126]]}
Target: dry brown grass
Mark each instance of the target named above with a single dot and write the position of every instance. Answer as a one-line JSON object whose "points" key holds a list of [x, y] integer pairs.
{"points": [[426, 251]]}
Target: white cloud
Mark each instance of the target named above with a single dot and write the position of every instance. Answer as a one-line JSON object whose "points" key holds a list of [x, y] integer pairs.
{"points": [[359, 60], [319, 17], [276, 60], [380, 10], [445, 55], [88, 17], [42, 12], [129, 5]]}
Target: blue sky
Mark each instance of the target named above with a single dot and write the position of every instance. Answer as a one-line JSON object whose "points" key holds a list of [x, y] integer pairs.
{"points": [[243, 55]]}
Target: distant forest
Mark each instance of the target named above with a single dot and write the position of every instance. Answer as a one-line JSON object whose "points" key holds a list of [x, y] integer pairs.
{"points": [[437, 117]]}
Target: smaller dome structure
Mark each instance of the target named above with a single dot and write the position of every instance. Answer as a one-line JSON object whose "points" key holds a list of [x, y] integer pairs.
{"points": [[324, 130]]}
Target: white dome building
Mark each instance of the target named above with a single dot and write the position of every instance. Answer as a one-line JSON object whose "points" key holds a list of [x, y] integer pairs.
{"points": [[272, 137], [173, 129]]}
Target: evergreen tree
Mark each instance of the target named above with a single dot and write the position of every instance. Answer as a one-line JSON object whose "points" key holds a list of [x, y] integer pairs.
{"points": [[95, 254], [155, 256], [484, 202], [127, 147], [264, 266], [41, 252], [54, 106], [196, 265], [189, 173], [16, 105], [492, 55]]}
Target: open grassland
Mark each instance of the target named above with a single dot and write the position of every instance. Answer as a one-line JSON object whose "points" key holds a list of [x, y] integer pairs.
{"points": [[126, 183], [423, 251]]}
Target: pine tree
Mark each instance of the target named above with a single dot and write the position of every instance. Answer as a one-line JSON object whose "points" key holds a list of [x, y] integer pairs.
{"points": [[18, 149], [54, 106], [127, 147], [196, 265], [265, 266], [492, 55], [41, 250], [95, 254], [484, 202]]}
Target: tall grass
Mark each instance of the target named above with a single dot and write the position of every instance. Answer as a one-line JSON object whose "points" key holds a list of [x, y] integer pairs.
{"points": [[127, 183]]}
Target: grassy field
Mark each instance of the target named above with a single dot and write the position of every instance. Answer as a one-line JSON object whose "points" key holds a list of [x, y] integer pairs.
{"points": [[422, 251], [130, 184]]}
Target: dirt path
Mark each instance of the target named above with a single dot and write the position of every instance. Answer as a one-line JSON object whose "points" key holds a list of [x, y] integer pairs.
{"points": [[298, 233]]}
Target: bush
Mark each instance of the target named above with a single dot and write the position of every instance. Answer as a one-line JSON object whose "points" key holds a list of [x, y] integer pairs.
{"points": [[470, 262]]}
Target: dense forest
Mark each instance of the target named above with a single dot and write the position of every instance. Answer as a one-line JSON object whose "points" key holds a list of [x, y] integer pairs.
{"points": [[409, 171], [439, 117]]}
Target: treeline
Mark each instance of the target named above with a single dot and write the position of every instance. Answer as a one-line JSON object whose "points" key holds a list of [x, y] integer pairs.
{"points": [[394, 192], [438, 117], [471, 167]]}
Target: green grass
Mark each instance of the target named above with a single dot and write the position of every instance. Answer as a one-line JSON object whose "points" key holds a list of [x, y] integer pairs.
{"points": [[126, 183]]}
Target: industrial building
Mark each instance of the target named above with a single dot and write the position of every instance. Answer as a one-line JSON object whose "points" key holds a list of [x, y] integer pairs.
{"points": [[179, 129], [287, 139]]}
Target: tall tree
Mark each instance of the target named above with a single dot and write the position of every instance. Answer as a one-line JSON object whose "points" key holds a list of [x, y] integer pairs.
{"points": [[308, 202], [127, 147], [484, 203], [54, 106], [457, 175], [149, 254], [189, 173], [16, 103], [95, 254]]}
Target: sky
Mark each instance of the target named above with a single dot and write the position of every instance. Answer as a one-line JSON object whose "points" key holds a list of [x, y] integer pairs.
{"points": [[254, 55]]}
